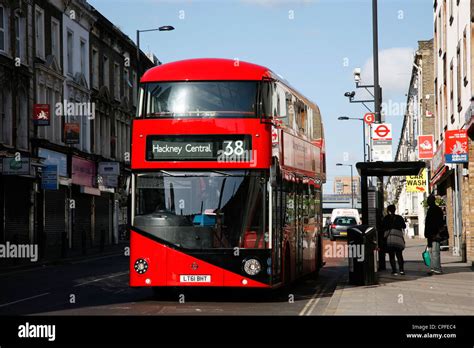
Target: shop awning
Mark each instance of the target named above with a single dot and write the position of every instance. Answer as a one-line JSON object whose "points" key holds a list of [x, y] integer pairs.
{"points": [[381, 169]]}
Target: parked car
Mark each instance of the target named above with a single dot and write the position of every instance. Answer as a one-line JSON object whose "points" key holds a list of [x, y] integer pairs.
{"points": [[340, 225]]}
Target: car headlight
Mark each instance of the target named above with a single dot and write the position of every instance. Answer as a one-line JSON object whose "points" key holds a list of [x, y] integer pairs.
{"points": [[141, 266], [252, 267]]}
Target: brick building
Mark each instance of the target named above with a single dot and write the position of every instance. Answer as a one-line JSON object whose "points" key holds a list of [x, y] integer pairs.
{"points": [[453, 51], [418, 120]]}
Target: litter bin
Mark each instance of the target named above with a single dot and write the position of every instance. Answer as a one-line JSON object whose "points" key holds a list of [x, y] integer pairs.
{"points": [[362, 243]]}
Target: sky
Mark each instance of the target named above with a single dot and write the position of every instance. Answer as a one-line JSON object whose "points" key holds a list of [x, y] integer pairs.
{"points": [[314, 44]]}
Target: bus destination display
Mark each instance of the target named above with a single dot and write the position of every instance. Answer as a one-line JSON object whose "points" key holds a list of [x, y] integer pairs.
{"points": [[198, 148]]}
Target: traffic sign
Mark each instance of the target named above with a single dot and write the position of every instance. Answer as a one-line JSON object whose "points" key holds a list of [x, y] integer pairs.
{"points": [[369, 118], [382, 131]]}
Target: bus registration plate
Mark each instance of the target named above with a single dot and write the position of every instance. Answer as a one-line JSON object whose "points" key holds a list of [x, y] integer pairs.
{"points": [[194, 278]]}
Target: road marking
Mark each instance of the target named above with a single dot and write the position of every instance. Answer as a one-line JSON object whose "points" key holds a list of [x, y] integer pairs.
{"points": [[96, 258], [34, 268], [98, 280], [44, 266], [24, 299], [310, 302], [315, 302]]}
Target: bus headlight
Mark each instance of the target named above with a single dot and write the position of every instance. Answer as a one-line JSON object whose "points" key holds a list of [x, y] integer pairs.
{"points": [[252, 267], [141, 266]]}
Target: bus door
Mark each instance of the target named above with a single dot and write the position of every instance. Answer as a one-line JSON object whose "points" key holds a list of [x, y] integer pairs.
{"points": [[278, 218], [300, 214]]}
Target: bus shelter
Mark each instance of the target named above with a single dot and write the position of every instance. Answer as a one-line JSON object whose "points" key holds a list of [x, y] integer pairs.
{"points": [[372, 197]]}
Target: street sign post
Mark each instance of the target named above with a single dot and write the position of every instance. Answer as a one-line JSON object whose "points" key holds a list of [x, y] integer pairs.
{"points": [[382, 142]]}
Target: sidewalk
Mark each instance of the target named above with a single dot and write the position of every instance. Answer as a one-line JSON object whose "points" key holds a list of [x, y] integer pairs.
{"points": [[416, 293]]}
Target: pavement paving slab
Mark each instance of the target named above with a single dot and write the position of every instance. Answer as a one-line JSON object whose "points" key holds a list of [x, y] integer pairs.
{"points": [[416, 293]]}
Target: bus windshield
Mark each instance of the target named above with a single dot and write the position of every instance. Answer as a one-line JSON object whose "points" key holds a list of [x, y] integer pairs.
{"points": [[202, 210], [200, 99]]}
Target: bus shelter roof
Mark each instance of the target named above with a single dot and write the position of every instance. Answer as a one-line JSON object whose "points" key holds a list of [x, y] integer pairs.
{"points": [[381, 169]]}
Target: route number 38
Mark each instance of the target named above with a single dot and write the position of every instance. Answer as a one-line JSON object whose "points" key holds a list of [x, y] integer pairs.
{"points": [[233, 148]]}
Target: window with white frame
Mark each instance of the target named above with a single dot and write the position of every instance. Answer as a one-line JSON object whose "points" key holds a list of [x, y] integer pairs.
{"points": [[39, 32], [95, 68], [117, 81], [83, 56], [70, 52], [55, 39]]}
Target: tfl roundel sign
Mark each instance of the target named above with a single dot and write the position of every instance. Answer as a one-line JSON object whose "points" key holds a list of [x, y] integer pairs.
{"points": [[382, 131]]}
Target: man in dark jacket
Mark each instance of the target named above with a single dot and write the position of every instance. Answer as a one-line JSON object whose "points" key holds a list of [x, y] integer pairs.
{"points": [[433, 223]]}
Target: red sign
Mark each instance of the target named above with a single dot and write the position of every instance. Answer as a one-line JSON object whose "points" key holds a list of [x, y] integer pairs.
{"points": [[369, 118], [72, 133], [456, 146], [41, 115], [425, 147]]}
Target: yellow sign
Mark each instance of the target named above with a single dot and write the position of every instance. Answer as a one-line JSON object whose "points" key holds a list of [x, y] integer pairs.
{"points": [[417, 183]]}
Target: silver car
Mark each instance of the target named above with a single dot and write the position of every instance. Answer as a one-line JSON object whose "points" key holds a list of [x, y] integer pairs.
{"points": [[339, 226]]}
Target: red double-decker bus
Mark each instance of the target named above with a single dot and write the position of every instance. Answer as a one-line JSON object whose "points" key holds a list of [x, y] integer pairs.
{"points": [[227, 166]]}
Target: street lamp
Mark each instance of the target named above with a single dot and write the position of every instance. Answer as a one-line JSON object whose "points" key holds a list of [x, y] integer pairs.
{"points": [[352, 180], [162, 28], [345, 118]]}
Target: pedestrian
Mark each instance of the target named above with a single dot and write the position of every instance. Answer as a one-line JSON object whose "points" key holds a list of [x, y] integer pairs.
{"points": [[435, 232], [393, 226]]}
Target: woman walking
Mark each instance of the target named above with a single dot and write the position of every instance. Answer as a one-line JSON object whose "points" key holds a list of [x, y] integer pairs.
{"points": [[434, 232], [393, 226]]}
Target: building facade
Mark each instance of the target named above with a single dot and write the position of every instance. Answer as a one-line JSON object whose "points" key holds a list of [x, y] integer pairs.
{"points": [[418, 120], [342, 185], [16, 99], [453, 51], [67, 96]]}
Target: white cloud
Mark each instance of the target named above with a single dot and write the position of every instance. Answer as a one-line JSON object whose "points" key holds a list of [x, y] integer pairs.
{"points": [[395, 66]]}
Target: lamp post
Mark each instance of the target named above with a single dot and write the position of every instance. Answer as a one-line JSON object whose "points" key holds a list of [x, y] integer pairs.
{"points": [[345, 118], [352, 181], [162, 28]]}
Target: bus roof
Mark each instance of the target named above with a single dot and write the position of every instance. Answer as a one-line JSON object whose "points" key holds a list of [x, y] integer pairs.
{"points": [[207, 69]]}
